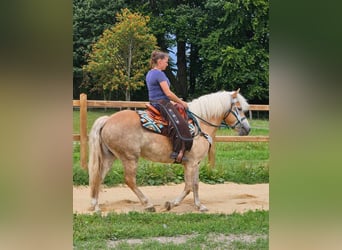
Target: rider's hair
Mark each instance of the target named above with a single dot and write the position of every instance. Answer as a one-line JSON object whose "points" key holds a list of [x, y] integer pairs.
{"points": [[155, 56]]}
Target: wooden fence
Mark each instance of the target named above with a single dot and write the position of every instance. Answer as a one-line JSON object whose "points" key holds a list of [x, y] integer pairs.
{"points": [[83, 103]]}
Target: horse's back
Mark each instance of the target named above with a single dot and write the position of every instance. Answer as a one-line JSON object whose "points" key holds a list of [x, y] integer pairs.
{"points": [[125, 136], [120, 132], [122, 123], [125, 116]]}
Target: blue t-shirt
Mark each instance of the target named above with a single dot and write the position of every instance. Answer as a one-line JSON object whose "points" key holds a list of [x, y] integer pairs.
{"points": [[153, 79]]}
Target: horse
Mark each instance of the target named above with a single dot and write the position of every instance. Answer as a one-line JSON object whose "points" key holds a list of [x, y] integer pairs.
{"points": [[121, 136]]}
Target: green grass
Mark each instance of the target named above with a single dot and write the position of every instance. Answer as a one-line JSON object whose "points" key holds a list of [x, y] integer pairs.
{"points": [[100, 232]]}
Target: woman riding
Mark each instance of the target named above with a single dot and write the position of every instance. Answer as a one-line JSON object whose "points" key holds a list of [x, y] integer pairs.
{"points": [[162, 98]]}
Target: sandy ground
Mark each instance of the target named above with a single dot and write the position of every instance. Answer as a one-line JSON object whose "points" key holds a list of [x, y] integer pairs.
{"points": [[219, 198]]}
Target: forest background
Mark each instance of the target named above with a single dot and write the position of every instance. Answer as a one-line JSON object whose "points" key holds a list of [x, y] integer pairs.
{"points": [[213, 45]]}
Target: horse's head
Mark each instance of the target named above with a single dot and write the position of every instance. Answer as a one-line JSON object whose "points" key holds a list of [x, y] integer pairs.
{"points": [[235, 117]]}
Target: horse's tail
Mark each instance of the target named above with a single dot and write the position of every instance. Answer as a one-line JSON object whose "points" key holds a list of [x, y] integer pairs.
{"points": [[95, 161], [211, 156]]}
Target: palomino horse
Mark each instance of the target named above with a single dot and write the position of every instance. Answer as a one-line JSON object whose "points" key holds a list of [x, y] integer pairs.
{"points": [[121, 136]]}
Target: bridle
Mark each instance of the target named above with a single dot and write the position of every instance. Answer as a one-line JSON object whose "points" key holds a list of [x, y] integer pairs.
{"points": [[236, 112]]}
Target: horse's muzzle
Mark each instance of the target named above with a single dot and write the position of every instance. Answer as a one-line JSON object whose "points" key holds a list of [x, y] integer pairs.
{"points": [[244, 128]]}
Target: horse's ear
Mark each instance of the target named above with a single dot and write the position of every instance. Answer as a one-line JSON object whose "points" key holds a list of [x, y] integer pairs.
{"points": [[234, 95]]}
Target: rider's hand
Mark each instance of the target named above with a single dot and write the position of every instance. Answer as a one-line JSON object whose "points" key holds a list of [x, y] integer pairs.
{"points": [[185, 105]]}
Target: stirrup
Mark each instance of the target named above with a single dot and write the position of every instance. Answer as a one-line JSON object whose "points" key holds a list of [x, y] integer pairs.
{"points": [[178, 157]]}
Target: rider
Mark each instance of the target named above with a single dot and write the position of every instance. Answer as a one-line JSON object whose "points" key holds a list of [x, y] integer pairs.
{"points": [[160, 96]]}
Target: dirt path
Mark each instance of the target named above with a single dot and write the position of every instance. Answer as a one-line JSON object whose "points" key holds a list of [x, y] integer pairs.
{"points": [[219, 198]]}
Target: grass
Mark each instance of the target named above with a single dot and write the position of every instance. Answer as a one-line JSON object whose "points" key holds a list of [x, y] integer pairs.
{"points": [[225, 231]]}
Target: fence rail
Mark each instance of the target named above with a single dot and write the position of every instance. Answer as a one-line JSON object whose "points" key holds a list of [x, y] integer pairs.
{"points": [[83, 103], [139, 104]]}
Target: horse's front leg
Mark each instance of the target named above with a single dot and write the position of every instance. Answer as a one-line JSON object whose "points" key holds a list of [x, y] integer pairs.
{"points": [[195, 185], [191, 177], [171, 204]]}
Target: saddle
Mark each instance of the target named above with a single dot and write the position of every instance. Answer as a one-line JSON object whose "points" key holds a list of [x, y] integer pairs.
{"points": [[152, 120], [153, 112]]}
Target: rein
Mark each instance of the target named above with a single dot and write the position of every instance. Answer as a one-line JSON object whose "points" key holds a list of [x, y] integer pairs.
{"points": [[235, 113], [191, 114], [200, 132], [210, 140]]}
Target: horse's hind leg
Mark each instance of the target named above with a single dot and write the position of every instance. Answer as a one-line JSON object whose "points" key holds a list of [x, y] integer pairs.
{"points": [[96, 177], [130, 167]]}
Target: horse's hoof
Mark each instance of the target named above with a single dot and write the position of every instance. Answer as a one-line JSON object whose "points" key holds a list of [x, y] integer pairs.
{"points": [[95, 208], [203, 209], [150, 209], [168, 206]]}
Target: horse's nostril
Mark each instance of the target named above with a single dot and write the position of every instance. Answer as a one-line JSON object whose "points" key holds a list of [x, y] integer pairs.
{"points": [[244, 130]]}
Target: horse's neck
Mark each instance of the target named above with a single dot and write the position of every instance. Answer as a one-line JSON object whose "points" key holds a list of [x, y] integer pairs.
{"points": [[210, 130]]}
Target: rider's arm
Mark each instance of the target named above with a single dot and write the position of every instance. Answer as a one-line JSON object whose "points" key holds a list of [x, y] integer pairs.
{"points": [[167, 91]]}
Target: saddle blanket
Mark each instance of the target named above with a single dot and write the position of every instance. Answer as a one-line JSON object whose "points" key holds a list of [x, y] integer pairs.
{"points": [[157, 127]]}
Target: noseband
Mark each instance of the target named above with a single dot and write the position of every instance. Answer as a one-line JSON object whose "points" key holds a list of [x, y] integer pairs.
{"points": [[236, 112]]}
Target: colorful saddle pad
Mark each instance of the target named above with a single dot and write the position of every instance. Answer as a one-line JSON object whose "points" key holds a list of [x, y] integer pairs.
{"points": [[155, 126]]}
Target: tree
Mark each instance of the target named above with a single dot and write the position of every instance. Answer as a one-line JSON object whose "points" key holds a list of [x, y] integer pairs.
{"points": [[235, 53], [90, 19], [221, 44], [185, 19], [120, 58], [176, 24]]}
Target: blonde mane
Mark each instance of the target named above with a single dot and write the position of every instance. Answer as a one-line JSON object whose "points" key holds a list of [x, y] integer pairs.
{"points": [[215, 104]]}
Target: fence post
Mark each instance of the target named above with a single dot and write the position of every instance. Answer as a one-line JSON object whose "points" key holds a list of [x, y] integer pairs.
{"points": [[83, 130]]}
